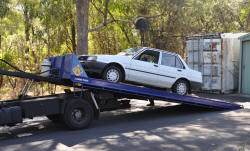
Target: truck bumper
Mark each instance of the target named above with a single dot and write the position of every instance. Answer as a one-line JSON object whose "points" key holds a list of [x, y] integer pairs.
{"points": [[94, 67], [195, 85]]}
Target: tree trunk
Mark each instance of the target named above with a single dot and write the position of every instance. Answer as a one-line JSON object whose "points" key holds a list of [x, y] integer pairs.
{"points": [[27, 26], [248, 22], [73, 35], [48, 40], [82, 13]]}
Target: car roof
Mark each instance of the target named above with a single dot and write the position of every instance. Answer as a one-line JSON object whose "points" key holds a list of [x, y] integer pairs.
{"points": [[160, 50]]}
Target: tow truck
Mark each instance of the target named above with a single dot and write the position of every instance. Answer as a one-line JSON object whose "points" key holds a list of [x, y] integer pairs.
{"points": [[89, 97]]}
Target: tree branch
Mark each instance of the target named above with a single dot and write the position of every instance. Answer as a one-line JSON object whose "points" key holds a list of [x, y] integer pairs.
{"points": [[101, 25], [105, 23], [106, 12], [98, 9], [123, 30], [148, 17]]}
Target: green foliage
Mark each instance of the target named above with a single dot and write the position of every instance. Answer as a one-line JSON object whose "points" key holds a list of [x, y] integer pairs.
{"points": [[9, 57], [174, 20], [116, 36], [3, 7], [50, 24], [244, 16]]}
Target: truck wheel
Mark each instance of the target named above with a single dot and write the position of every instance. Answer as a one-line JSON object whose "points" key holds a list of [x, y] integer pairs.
{"points": [[113, 74], [78, 114], [181, 87], [55, 118]]}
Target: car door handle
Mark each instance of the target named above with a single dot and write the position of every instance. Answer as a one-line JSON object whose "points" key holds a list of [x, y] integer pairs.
{"points": [[179, 70], [155, 65]]}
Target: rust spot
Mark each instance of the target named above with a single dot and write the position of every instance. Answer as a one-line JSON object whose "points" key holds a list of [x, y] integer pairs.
{"points": [[213, 46], [214, 60]]}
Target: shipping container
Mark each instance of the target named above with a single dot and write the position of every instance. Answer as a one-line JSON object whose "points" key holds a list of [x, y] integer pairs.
{"points": [[217, 57]]}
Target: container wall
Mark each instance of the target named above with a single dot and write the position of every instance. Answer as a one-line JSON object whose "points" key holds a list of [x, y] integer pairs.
{"points": [[230, 64], [203, 55], [217, 58]]}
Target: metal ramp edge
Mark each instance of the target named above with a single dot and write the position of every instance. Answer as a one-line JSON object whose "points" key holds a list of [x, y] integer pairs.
{"points": [[131, 90]]}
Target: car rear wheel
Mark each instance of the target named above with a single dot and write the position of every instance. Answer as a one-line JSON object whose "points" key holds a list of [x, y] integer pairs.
{"points": [[113, 74], [181, 87]]}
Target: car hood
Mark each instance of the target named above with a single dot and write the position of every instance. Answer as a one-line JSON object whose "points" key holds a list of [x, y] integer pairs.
{"points": [[105, 57], [109, 57]]}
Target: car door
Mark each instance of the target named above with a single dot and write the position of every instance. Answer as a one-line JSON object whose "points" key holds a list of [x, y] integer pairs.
{"points": [[143, 68], [171, 69]]}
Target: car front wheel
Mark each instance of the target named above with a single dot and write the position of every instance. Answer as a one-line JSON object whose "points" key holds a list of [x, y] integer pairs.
{"points": [[181, 87], [113, 74]]}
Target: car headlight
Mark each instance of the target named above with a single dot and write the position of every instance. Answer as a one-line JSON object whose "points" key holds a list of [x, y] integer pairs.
{"points": [[92, 58]]}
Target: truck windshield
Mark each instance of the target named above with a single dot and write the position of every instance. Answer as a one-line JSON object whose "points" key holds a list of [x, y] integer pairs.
{"points": [[129, 52]]}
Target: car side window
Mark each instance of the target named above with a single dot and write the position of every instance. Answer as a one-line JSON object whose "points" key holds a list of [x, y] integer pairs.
{"points": [[149, 56], [178, 63], [171, 61], [168, 60]]}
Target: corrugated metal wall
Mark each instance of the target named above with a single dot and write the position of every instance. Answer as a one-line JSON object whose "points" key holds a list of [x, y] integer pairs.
{"points": [[204, 55], [217, 57]]}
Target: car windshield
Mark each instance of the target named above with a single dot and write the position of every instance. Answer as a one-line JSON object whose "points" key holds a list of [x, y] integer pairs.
{"points": [[129, 52]]}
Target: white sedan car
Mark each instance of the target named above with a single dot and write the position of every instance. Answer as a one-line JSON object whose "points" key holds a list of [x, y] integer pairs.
{"points": [[146, 66]]}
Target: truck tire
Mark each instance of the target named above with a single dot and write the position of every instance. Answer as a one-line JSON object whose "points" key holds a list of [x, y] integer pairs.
{"points": [[78, 114]]}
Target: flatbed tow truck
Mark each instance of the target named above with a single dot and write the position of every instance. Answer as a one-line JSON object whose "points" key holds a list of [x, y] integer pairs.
{"points": [[89, 98]]}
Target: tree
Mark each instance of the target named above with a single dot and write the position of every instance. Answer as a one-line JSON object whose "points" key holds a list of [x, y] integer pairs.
{"points": [[82, 15], [4, 7], [3, 10]]}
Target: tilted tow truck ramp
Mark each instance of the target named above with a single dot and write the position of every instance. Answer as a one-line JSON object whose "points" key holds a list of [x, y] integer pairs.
{"points": [[79, 76]]}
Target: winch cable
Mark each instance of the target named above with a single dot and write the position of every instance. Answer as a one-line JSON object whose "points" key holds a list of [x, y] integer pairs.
{"points": [[36, 77], [14, 67]]}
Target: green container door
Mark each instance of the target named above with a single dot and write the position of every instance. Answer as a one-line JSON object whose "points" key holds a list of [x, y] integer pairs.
{"points": [[245, 84]]}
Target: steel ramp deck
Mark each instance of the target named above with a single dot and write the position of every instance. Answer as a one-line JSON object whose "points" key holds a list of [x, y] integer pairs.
{"points": [[78, 75], [148, 93]]}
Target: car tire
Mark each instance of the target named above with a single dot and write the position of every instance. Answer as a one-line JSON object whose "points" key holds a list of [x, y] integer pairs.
{"points": [[78, 114], [181, 87], [113, 73]]}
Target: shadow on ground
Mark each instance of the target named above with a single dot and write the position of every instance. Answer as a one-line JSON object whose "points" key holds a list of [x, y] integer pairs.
{"points": [[178, 127]]}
